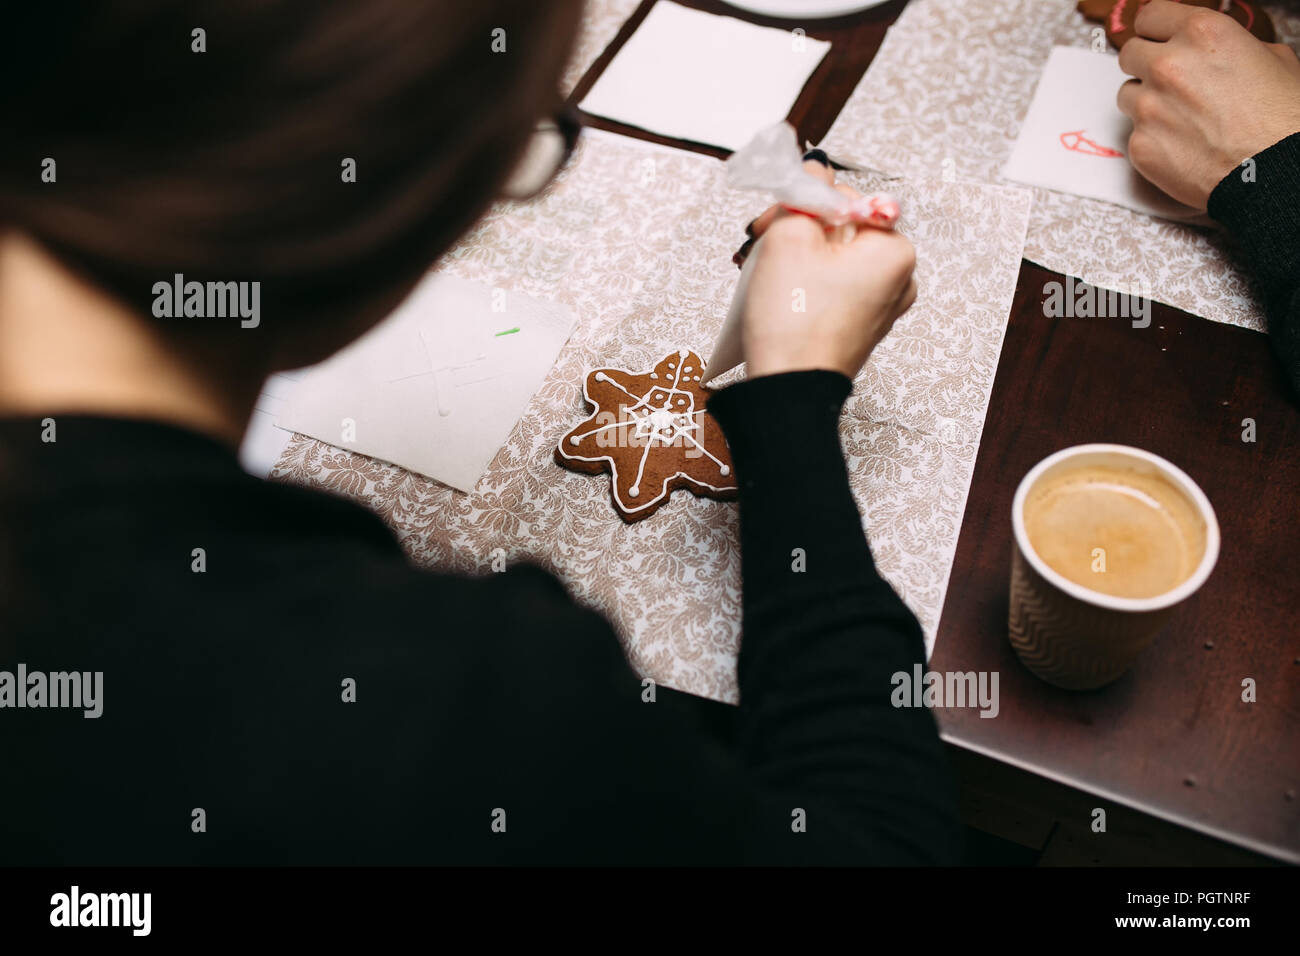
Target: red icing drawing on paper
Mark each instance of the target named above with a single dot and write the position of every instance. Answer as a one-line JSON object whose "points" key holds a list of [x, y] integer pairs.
{"points": [[1076, 142]]}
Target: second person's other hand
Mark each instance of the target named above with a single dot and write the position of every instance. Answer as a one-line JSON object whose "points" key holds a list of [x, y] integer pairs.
{"points": [[1206, 96]]}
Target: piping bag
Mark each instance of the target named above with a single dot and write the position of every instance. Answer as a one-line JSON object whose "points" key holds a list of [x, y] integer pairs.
{"points": [[773, 162]]}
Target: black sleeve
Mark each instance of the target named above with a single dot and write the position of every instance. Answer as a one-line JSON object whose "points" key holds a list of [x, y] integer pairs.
{"points": [[477, 700], [1261, 209], [821, 768], [823, 633]]}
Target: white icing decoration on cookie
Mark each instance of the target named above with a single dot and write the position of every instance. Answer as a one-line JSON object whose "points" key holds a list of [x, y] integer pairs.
{"points": [[658, 425]]}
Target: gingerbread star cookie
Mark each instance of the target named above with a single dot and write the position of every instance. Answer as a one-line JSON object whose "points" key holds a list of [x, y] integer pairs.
{"points": [[652, 434], [1119, 16]]}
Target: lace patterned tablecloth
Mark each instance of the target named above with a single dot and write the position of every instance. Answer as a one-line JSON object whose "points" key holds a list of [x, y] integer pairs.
{"points": [[945, 97], [637, 240]]}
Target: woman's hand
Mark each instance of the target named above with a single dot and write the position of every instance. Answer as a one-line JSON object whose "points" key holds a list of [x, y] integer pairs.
{"points": [[817, 303], [1206, 97]]}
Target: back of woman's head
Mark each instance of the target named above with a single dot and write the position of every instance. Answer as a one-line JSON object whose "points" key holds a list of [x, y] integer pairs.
{"points": [[216, 139]]}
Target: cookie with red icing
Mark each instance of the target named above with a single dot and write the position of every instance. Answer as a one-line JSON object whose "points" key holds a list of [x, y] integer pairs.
{"points": [[652, 433], [1119, 16]]}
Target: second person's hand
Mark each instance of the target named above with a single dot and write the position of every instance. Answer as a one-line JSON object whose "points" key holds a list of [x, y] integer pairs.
{"points": [[1207, 95]]}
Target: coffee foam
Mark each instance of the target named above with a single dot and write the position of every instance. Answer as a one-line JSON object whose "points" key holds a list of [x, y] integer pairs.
{"points": [[1114, 530]]}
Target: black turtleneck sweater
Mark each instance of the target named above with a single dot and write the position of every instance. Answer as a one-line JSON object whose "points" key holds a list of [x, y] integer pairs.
{"points": [[494, 720], [1262, 213]]}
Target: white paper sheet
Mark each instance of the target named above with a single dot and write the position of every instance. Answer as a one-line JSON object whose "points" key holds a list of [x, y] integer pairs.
{"points": [[1075, 140], [703, 77], [264, 441], [438, 386]]}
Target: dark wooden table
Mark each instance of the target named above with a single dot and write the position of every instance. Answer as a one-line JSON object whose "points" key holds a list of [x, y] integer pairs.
{"points": [[1186, 771], [1173, 737]]}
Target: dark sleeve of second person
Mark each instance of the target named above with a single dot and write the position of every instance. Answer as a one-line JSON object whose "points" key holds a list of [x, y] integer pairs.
{"points": [[1261, 209]]}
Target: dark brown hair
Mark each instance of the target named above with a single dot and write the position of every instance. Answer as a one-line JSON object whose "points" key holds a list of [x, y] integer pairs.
{"points": [[226, 165]]}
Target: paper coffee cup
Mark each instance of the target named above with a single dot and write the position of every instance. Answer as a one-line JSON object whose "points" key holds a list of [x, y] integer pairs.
{"points": [[1073, 636]]}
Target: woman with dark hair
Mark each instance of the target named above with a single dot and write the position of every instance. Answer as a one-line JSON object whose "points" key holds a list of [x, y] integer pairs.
{"points": [[266, 678]]}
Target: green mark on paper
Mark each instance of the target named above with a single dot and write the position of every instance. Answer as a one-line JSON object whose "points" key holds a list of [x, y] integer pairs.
{"points": [[508, 332]]}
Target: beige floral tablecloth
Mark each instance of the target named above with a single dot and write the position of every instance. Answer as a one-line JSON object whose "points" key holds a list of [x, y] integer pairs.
{"points": [[637, 240], [945, 96]]}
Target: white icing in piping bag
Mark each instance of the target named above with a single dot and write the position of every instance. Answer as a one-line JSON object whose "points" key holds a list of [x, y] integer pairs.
{"points": [[772, 162]]}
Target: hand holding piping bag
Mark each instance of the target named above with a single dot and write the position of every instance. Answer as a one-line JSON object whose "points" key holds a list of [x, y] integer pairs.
{"points": [[857, 281]]}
